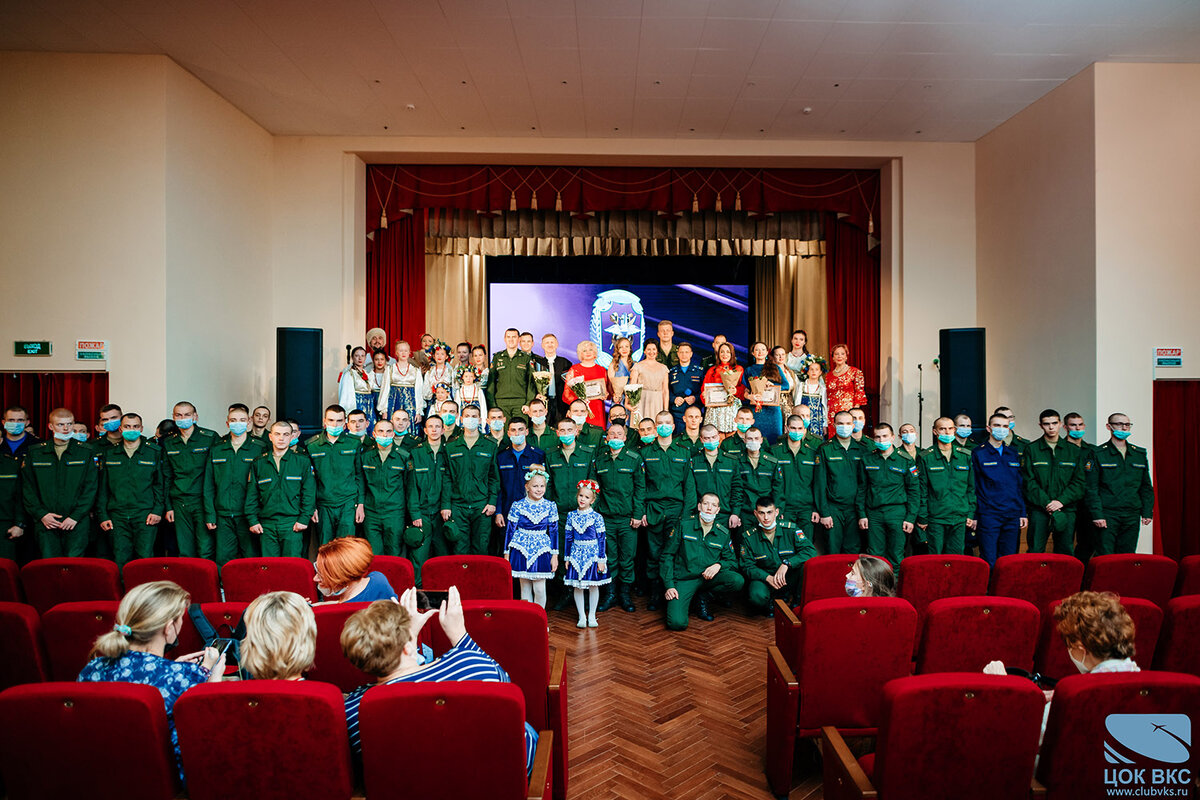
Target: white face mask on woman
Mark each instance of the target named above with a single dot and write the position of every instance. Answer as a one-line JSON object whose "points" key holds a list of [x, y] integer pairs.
{"points": [[1079, 665]]}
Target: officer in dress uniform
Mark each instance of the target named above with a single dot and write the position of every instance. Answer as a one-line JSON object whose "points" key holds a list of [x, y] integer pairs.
{"points": [[999, 494], [281, 495], [947, 491], [1053, 474], [889, 496], [685, 382], [773, 555], [510, 384], [1124, 498]]}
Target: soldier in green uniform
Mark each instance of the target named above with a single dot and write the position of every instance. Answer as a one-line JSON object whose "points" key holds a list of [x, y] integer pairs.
{"points": [[1014, 440], [697, 558], [947, 491], [587, 434], [429, 494], [1054, 481], [496, 429], [400, 425], [59, 485], [337, 464], [1085, 530], [693, 420], [186, 459], [835, 487], [714, 472], [510, 384], [889, 496], [110, 425], [647, 434], [773, 555], [260, 421], [357, 425], [668, 482], [568, 463], [668, 351], [281, 494], [759, 475], [385, 490], [622, 503], [130, 501], [798, 459], [474, 484], [1123, 500], [743, 421], [541, 435], [13, 520], [230, 460]]}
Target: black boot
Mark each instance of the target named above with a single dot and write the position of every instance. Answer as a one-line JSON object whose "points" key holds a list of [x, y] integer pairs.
{"points": [[702, 610], [655, 599], [607, 598], [624, 600]]}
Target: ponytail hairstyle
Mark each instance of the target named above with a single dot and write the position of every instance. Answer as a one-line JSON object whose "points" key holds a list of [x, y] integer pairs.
{"points": [[144, 612]]}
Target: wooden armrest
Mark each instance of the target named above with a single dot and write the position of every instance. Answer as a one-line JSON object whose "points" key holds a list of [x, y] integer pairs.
{"points": [[775, 658], [539, 778], [842, 768], [558, 664], [783, 610], [1036, 789], [783, 708]]}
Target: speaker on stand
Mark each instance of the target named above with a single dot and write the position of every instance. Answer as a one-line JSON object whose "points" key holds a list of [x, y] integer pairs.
{"points": [[963, 374], [298, 376]]}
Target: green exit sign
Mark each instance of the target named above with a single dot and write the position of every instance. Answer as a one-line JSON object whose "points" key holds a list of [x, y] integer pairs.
{"points": [[31, 348]]}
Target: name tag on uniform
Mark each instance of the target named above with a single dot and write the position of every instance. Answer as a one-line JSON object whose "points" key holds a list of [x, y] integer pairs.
{"points": [[502, 466], [1107, 465], [897, 469], [1041, 463], [173, 452], [368, 466], [1067, 463], [426, 469], [112, 463], [146, 463], [394, 466], [1139, 466], [963, 467], [75, 463], [624, 469], [249, 460], [834, 458], [725, 471], [292, 477], [872, 466], [787, 552], [456, 455], [265, 480], [1014, 463], [349, 452], [809, 463], [937, 469], [199, 449], [678, 460], [651, 460], [316, 455], [218, 461], [991, 463], [689, 537], [8, 477]]}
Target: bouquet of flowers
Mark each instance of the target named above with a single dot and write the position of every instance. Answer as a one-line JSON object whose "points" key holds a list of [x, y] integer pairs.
{"points": [[633, 393], [541, 381], [578, 385], [729, 378]]}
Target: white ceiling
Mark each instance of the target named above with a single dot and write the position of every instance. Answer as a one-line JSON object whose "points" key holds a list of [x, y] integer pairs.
{"points": [[939, 70]]}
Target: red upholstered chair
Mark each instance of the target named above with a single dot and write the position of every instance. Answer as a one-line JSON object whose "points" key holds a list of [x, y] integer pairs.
{"points": [[848, 648], [10, 582], [266, 740], [1051, 657], [198, 576], [477, 577], [1040, 578], [69, 631], [1189, 576], [398, 571], [1079, 735], [24, 659], [1133, 575], [48, 581], [927, 578], [246, 578], [223, 616], [58, 740], [962, 634], [1179, 648], [995, 719], [486, 720], [331, 665], [514, 633]]}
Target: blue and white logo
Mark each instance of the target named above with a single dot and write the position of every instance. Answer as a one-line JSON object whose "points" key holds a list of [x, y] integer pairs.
{"points": [[617, 314], [1162, 737]]}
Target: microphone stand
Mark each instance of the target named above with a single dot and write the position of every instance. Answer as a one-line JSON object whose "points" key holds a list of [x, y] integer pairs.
{"points": [[920, 406]]}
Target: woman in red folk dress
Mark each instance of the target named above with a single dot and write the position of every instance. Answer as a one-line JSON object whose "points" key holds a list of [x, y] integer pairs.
{"points": [[588, 370], [844, 384]]}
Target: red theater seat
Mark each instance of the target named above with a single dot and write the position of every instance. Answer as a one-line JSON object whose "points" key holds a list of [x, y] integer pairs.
{"points": [[486, 720], [928, 578], [331, 665], [197, 576], [995, 719], [848, 648], [269, 740], [1052, 661], [1074, 756], [1179, 648], [1189, 576], [10, 582], [1040, 578], [70, 630], [1133, 575], [398, 571], [24, 659], [962, 634], [246, 578], [102, 741], [49, 581], [477, 577]]}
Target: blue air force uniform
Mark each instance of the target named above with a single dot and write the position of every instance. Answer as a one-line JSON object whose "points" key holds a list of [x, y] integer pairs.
{"points": [[1000, 499]]}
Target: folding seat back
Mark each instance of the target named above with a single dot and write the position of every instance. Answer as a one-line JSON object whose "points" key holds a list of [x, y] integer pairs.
{"points": [[24, 658], [1040, 578], [1188, 581], [1142, 575], [70, 630], [962, 634], [267, 740], [104, 741], [198, 576], [246, 578], [224, 617], [49, 581], [1179, 648], [1084, 743], [10, 582], [1051, 658], [824, 577], [927, 578], [331, 664], [477, 577], [398, 571]]}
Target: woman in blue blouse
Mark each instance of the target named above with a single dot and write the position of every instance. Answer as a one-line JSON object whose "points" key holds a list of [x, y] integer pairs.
{"points": [[768, 419], [343, 573]]}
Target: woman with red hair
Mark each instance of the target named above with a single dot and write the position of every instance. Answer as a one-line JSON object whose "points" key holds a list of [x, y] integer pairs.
{"points": [[343, 573]]}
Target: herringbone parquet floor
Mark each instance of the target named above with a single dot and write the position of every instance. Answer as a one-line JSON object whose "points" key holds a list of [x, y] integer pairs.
{"points": [[660, 714]]}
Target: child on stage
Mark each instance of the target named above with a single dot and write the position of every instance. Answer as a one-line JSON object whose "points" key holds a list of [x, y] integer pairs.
{"points": [[531, 537], [587, 565]]}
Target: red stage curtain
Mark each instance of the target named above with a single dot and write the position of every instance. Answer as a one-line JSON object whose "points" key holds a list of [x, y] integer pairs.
{"points": [[853, 296], [1176, 452], [396, 279], [39, 393]]}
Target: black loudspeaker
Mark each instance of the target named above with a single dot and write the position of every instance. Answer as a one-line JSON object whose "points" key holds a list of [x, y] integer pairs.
{"points": [[298, 376], [963, 371]]}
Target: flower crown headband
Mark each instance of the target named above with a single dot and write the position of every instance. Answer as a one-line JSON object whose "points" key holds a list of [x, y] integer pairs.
{"points": [[439, 343], [536, 472], [588, 483]]}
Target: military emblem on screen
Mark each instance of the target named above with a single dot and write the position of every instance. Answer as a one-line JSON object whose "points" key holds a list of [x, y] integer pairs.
{"points": [[1149, 754], [617, 314]]}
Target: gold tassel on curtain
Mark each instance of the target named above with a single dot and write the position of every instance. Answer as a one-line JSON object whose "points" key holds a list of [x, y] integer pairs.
{"points": [[383, 219]]}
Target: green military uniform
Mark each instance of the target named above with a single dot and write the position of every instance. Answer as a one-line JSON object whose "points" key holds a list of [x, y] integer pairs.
{"points": [[385, 496], [1052, 473], [693, 446], [1122, 497], [947, 498], [763, 478], [408, 441], [799, 469], [686, 554], [545, 441], [12, 505], [1020, 444], [429, 494], [622, 480], [131, 489], [1085, 529], [835, 487], [719, 476], [225, 482], [888, 496], [763, 553], [474, 485], [733, 445], [670, 356], [279, 498], [566, 471], [337, 465], [668, 482], [510, 382], [100, 542], [63, 485], [185, 462], [590, 435]]}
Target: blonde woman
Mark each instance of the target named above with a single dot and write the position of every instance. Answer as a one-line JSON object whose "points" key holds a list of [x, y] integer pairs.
{"points": [[281, 637], [404, 389], [587, 370], [621, 368]]}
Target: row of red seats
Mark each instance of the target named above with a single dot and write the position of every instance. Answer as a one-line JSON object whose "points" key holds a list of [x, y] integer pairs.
{"points": [[269, 740]]}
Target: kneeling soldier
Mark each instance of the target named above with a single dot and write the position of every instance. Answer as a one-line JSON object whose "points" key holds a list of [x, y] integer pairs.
{"points": [[697, 557], [773, 554]]}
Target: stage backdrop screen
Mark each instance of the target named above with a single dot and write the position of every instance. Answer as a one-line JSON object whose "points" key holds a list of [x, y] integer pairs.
{"points": [[602, 313]]}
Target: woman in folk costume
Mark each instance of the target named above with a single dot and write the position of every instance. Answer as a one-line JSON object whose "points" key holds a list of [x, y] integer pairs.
{"points": [[440, 369], [469, 391], [354, 387], [404, 389]]}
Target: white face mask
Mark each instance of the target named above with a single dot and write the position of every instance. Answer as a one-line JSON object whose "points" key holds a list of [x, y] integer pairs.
{"points": [[579, 418], [707, 518], [1079, 665]]}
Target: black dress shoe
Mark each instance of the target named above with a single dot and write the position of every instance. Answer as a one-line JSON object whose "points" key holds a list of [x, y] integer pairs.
{"points": [[654, 598], [624, 600], [702, 609], [607, 598]]}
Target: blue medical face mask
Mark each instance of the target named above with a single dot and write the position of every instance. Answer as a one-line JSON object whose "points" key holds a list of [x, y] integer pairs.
{"points": [[358, 434], [616, 444], [496, 425], [64, 437], [185, 423], [964, 431], [665, 430], [448, 419], [908, 438], [295, 441], [853, 589], [743, 427], [844, 430], [81, 437], [237, 428], [113, 425], [859, 424], [710, 446], [945, 438], [999, 432], [1012, 425], [1122, 435], [384, 441], [334, 430], [647, 439], [15, 428], [795, 436], [1079, 434], [518, 439], [540, 419], [131, 436], [567, 438], [470, 423], [881, 446]]}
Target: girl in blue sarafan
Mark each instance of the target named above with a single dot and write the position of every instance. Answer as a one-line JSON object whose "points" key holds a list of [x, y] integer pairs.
{"points": [[531, 537], [587, 565]]}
